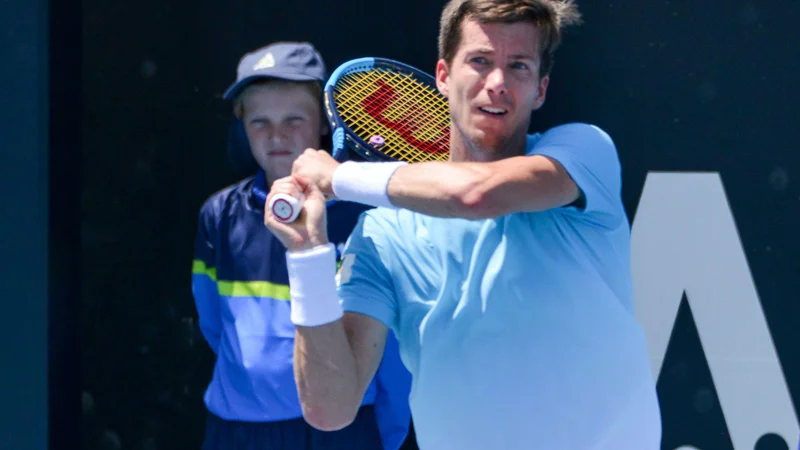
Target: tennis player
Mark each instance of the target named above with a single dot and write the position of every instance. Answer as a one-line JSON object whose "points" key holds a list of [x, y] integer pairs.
{"points": [[240, 283], [504, 271]]}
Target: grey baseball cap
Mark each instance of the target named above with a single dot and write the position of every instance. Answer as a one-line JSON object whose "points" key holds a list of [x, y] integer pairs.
{"points": [[295, 61]]}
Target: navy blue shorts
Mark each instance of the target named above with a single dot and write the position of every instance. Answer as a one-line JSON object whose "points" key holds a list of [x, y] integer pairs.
{"points": [[295, 434]]}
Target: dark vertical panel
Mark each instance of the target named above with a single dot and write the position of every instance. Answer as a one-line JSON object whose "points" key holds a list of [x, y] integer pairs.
{"points": [[23, 225], [65, 261]]}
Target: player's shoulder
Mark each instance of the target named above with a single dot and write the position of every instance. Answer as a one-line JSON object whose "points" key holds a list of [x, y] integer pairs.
{"points": [[576, 135], [577, 131], [220, 201], [378, 222], [393, 219], [387, 227], [381, 236]]}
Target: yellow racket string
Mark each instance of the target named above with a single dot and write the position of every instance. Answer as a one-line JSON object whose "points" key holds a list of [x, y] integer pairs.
{"points": [[412, 117]]}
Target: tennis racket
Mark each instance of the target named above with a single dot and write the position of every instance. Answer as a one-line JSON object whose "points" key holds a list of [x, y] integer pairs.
{"points": [[380, 110]]}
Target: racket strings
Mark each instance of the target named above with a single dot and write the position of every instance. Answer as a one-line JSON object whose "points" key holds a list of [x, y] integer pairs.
{"points": [[412, 120], [429, 131], [431, 102], [409, 102], [411, 116], [377, 106], [431, 127]]}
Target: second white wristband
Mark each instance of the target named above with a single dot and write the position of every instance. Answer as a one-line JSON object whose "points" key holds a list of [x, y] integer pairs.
{"points": [[365, 182], [312, 286]]}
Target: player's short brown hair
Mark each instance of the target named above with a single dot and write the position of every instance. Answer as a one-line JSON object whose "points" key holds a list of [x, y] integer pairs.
{"points": [[549, 16]]}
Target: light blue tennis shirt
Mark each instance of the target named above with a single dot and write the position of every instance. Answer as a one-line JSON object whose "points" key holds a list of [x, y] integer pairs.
{"points": [[519, 331]]}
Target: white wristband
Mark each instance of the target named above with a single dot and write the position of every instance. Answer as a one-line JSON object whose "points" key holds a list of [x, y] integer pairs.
{"points": [[312, 286], [365, 182]]}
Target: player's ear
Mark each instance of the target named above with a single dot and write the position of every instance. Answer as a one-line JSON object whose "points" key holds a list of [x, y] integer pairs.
{"points": [[442, 77], [541, 92]]}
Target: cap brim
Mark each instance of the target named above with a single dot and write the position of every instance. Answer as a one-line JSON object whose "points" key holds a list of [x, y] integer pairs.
{"points": [[237, 87]]}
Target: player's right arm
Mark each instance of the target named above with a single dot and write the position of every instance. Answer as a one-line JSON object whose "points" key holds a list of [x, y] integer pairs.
{"points": [[336, 353], [334, 364]]}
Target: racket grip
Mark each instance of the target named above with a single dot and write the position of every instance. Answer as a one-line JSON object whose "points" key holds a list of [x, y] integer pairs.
{"points": [[285, 208]]}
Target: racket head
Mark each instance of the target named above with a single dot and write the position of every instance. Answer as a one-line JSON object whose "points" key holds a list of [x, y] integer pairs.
{"points": [[384, 110]]}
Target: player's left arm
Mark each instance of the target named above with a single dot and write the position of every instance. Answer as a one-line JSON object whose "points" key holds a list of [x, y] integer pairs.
{"points": [[573, 165], [483, 190]]}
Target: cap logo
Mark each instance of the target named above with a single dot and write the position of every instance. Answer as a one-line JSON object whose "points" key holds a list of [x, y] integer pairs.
{"points": [[265, 62]]}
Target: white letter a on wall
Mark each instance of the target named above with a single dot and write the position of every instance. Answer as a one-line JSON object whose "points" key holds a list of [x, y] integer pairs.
{"points": [[684, 238]]}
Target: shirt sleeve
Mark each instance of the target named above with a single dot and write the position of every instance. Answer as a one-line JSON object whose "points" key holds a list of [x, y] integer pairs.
{"points": [[365, 285], [392, 409], [204, 279], [590, 158]]}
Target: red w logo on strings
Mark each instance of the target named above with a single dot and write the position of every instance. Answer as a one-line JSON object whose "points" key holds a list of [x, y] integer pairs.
{"points": [[407, 126]]}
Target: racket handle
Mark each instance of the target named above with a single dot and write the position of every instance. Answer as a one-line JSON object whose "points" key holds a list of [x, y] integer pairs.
{"points": [[285, 208]]}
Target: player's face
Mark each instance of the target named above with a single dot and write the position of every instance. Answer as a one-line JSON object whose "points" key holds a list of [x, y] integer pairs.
{"points": [[493, 86], [281, 121]]}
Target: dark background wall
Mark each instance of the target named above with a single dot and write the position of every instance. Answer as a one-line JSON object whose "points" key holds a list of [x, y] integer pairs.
{"points": [[682, 86]]}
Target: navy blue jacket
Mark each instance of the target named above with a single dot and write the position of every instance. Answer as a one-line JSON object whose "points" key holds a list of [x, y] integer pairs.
{"points": [[240, 286]]}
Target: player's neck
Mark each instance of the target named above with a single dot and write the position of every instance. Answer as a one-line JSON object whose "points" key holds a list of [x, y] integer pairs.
{"points": [[462, 150]]}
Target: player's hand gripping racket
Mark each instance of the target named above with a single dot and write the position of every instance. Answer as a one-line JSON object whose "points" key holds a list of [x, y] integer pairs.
{"points": [[382, 110], [285, 207]]}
